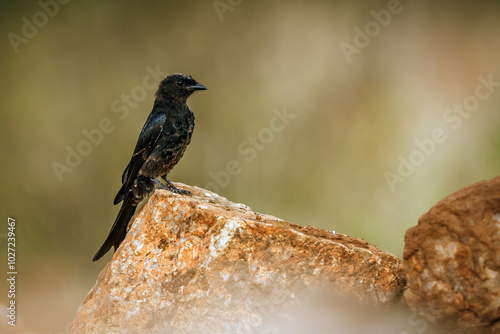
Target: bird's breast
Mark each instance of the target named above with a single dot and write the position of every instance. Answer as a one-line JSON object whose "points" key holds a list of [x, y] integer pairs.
{"points": [[173, 141]]}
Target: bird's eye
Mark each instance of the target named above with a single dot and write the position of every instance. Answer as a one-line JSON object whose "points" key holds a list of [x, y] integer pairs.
{"points": [[179, 83]]}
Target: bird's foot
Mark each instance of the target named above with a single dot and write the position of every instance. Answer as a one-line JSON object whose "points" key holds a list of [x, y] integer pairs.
{"points": [[170, 187], [181, 191]]}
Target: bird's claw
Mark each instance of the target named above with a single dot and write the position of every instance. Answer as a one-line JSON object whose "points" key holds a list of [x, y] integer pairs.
{"points": [[181, 191]]}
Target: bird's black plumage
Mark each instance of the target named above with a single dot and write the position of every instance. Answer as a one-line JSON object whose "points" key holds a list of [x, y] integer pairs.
{"points": [[161, 144]]}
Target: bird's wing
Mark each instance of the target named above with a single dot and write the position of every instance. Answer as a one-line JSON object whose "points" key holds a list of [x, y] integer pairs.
{"points": [[148, 138]]}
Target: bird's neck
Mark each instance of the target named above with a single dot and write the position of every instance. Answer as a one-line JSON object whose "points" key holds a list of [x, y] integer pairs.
{"points": [[163, 102]]}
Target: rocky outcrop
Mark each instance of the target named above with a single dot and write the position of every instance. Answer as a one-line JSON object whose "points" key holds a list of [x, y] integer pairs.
{"points": [[453, 260], [203, 264]]}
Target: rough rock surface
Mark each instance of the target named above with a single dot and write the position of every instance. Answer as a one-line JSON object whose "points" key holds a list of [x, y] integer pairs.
{"points": [[203, 264], [453, 260]]}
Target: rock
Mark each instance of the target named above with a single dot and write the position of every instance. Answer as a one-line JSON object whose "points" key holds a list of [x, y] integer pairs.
{"points": [[203, 264], [452, 258]]}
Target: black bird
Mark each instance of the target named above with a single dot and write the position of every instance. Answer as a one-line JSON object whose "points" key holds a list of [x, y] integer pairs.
{"points": [[161, 144]]}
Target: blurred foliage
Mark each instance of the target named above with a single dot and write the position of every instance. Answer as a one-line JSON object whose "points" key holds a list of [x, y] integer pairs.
{"points": [[325, 168]]}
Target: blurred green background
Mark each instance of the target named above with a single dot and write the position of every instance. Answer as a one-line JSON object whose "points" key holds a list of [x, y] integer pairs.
{"points": [[353, 119]]}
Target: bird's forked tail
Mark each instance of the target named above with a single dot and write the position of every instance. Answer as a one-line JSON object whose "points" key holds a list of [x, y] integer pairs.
{"points": [[119, 229]]}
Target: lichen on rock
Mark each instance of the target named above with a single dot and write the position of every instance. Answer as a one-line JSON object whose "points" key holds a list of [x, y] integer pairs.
{"points": [[203, 264]]}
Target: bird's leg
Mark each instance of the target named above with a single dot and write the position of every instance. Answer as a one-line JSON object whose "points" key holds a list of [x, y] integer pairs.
{"points": [[161, 185], [170, 186]]}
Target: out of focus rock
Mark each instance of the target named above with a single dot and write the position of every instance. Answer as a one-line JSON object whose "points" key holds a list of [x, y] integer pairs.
{"points": [[453, 260], [203, 264]]}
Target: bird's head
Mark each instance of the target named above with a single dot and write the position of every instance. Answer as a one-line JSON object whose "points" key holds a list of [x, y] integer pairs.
{"points": [[178, 87]]}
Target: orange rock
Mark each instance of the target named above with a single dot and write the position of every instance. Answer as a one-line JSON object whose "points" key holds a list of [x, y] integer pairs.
{"points": [[453, 260], [203, 264]]}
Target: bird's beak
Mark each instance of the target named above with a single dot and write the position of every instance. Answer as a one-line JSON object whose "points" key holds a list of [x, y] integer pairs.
{"points": [[198, 86]]}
